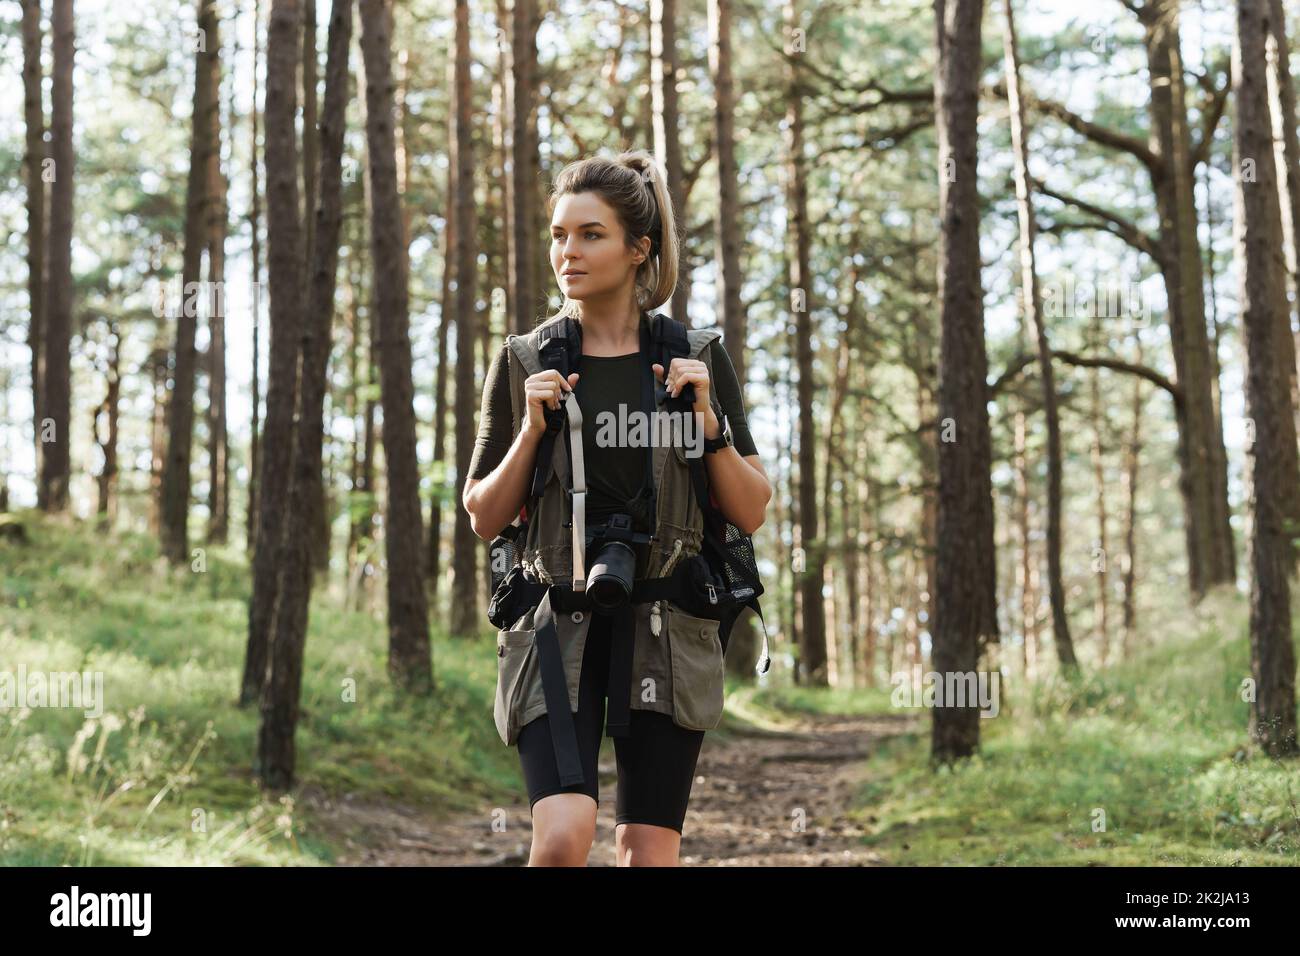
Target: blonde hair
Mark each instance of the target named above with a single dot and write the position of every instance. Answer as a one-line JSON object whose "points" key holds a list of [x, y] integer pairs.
{"points": [[634, 186]]}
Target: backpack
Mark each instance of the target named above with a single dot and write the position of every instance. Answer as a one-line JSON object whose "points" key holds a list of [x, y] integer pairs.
{"points": [[730, 577]]}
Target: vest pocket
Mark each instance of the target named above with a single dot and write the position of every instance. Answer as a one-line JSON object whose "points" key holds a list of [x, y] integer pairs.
{"points": [[697, 669], [516, 665]]}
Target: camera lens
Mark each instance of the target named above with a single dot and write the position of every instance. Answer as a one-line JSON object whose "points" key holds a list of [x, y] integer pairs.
{"points": [[610, 582]]}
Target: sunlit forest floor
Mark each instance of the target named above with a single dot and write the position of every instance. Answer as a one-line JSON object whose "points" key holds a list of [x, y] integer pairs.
{"points": [[1143, 764]]}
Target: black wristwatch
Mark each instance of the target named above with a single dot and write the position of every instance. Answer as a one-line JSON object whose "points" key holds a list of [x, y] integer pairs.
{"points": [[722, 441]]}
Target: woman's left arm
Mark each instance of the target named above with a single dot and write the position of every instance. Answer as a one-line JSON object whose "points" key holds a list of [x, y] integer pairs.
{"points": [[739, 486]]}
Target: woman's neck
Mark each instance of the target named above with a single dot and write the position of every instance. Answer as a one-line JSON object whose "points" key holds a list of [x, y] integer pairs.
{"points": [[610, 332]]}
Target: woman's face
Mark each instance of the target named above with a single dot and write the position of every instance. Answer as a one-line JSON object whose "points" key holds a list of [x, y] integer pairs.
{"points": [[589, 253]]}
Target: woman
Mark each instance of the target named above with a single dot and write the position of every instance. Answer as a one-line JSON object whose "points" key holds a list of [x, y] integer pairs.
{"points": [[614, 249]]}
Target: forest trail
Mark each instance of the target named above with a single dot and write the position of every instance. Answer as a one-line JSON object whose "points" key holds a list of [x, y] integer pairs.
{"points": [[760, 798]]}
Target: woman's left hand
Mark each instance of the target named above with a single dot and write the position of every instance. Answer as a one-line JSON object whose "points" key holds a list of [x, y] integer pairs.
{"points": [[683, 371]]}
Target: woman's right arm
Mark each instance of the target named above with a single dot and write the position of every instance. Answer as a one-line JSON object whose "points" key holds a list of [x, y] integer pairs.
{"points": [[493, 502]]}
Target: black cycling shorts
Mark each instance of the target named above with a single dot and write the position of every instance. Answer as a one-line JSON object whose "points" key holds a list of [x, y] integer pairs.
{"points": [[656, 761]]}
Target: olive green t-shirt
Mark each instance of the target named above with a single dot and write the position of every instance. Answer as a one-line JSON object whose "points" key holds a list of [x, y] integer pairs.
{"points": [[615, 473]]}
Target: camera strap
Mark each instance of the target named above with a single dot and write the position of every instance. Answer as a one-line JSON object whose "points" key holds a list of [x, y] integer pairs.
{"points": [[577, 493]]}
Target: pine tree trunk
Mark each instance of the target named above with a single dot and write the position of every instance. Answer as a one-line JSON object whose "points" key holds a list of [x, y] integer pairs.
{"points": [[1132, 459], [285, 272], [180, 410], [1032, 302], [1021, 465], [1286, 147], [664, 66], [1204, 463], [525, 293], [284, 681], [728, 221], [466, 547], [964, 610], [56, 375], [218, 442], [813, 644], [445, 323], [310, 134], [1101, 604], [255, 225], [1261, 273], [409, 662], [34, 120], [106, 505], [157, 432]]}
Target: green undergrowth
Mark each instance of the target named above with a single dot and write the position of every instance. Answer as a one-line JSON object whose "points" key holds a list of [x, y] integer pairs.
{"points": [[164, 775], [1143, 764]]}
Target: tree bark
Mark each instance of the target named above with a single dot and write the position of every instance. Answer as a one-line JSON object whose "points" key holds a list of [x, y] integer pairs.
{"points": [[525, 293], [466, 546], [1027, 601], [34, 120], [1132, 459], [106, 505], [409, 661], [310, 135], [664, 66], [157, 365], [445, 323], [1101, 603], [1286, 147], [56, 376], [255, 225], [285, 271], [1033, 310], [813, 637], [1204, 463], [317, 498], [965, 613], [218, 442], [728, 221], [180, 411], [742, 652], [282, 691], [1261, 285]]}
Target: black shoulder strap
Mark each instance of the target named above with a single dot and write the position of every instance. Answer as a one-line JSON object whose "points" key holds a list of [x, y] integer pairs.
{"points": [[558, 345], [661, 340], [670, 342]]}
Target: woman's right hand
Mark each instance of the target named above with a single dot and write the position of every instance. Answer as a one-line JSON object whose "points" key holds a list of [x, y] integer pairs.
{"points": [[545, 390]]}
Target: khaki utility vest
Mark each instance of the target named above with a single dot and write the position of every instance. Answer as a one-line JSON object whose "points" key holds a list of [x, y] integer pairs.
{"points": [[677, 658]]}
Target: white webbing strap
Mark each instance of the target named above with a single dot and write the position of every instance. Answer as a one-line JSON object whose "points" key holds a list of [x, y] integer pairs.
{"points": [[579, 474]]}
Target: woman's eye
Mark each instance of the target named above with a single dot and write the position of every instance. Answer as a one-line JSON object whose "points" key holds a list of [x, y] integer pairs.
{"points": [[594, 235]]}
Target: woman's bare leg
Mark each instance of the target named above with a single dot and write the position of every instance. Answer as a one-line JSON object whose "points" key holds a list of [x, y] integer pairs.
{"points": [[564, 826], [644, 844]]}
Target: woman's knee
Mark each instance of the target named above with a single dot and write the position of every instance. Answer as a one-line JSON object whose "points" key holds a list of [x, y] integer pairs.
{"points": [[564, 826], [642, 844]]}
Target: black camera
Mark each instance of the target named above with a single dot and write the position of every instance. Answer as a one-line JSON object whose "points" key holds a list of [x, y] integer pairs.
{"points": [[613, 567]]}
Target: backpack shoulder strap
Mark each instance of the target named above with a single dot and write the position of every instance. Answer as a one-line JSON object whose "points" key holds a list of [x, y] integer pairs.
{"points": [[528, 347], [699, 340], [552, 345]]}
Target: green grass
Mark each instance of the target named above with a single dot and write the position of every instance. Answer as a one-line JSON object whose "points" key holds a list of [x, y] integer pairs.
{"points": [[1157, 744], [165, 775], [1143, 764]]}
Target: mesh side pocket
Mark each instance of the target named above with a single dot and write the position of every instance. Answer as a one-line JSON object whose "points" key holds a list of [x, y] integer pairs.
{"points": [[734, 552], [741, 564], [503, 554]]}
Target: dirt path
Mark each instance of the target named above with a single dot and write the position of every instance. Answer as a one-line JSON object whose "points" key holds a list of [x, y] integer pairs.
{"points": [[759, 799]]}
